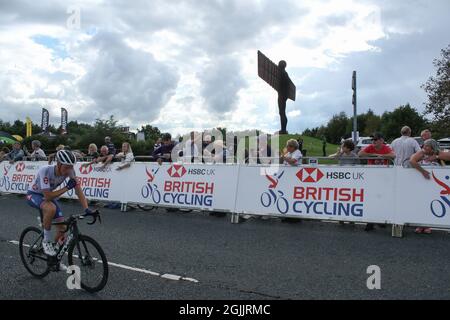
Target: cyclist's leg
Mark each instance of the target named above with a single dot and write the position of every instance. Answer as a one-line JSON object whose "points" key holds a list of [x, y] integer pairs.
{"points": [[48, 212], [58, 217]]}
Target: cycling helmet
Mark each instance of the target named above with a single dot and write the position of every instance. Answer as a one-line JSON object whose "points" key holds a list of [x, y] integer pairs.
{"points": [[66, 157]]}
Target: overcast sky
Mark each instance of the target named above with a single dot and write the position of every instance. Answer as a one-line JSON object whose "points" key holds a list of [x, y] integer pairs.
{"points": [[183, 65]]}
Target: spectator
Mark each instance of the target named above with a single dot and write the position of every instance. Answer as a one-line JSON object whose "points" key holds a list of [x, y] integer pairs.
{"points": [[126, 156], [300, 144], [157, 144], [51, 157], [206, 154], [164, 152], [3, 153], [190, 150], [425, 135], [16, 154], [430, 155], [404, 147], [110, 145], [220, 152], [293, 156], [346, 155], [38, 154], [92, 152], [264, 153], [105, 158], [377, 149]]}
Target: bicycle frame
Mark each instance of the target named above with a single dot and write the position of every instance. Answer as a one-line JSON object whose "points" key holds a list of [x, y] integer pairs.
{"points": [[73, 234]]}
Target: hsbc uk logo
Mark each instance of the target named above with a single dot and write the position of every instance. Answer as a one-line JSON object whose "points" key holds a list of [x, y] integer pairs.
{"points": [[20, 167], [310, 175], [176, 171], [86, 169]]}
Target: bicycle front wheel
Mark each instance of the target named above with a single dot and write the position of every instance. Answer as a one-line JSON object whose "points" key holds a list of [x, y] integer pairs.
{"points": [[87, 254], [31, 252]]}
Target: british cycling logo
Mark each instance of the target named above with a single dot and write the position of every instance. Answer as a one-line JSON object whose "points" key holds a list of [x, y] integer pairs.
{"points": [[150, 190], [439, 207], [86, 169], [274, 197], [4, 181], [310, 175], [176, 171], [20, 167]]}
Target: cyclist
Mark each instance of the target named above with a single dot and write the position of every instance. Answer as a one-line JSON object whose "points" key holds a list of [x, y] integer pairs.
{"points": [[43, 195]]}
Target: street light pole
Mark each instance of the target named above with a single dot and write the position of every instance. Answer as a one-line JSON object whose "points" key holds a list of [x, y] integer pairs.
{"points": [[355, 113]]}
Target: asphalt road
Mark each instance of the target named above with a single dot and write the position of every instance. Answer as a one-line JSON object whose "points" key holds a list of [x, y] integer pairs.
{"points": [[252, 260]]}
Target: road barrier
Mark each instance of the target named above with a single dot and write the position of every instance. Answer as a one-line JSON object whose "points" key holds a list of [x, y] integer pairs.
{"points": [[392, 195]]}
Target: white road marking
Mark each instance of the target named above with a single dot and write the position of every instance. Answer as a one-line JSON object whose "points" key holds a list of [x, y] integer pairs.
{"points": [[122, 266]]}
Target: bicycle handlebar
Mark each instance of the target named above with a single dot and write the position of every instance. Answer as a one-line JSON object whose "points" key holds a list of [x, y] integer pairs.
{"points": [[95, 215]]}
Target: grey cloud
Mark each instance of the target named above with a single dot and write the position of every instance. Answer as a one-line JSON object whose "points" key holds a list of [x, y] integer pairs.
{"points": [[127, 82], [221, 81]]}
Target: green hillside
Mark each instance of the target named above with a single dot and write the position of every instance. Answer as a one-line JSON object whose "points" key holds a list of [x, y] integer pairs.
{"points": [[312, 145]]}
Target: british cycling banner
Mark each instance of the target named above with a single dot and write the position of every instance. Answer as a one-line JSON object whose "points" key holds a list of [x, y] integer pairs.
{"points": [[18, 177], [367, 194], [207, 187], [98, 182], [327, 193]]}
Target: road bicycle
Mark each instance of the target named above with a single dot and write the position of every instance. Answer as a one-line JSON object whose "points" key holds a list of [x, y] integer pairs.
{"points": [[81, 250]]}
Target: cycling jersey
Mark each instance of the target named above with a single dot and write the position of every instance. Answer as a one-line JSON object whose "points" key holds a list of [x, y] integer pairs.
{"points": [[47, 180]]}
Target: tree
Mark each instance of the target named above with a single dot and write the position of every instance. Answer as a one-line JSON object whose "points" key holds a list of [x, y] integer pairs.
{"points": [[337, 128], [392, 122], [151, 133], [438, 90], [372, 123]]}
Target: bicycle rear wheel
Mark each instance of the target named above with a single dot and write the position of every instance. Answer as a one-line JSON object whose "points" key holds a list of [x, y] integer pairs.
{"points": [[31, 252], [87, 254]]}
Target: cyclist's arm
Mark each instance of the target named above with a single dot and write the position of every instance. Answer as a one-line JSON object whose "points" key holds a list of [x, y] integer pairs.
{"points": [[50, 195], [80, 194]]}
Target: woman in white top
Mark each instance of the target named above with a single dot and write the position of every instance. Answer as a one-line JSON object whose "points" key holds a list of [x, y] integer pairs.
{"points": [[126, 156], [293, 156]]}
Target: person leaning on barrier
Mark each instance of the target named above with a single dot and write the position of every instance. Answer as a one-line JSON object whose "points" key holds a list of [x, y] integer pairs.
{"points": [[38, 154], [404, 147], [164, 152], [378, 149], [16, 154], [346, 155], [126, 156], [430, 155], [292, 156], [105, 158], [157, 144]]}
